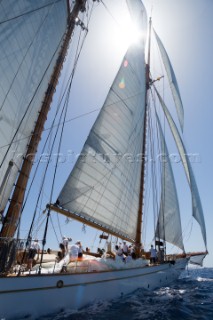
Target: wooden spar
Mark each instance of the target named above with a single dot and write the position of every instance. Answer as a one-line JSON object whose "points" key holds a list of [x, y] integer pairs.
{"points": [[87, 222], [11, 219], [142, 181]]}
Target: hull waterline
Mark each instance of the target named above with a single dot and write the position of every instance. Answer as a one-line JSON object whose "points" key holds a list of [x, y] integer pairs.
{"points": [[37, 295]]}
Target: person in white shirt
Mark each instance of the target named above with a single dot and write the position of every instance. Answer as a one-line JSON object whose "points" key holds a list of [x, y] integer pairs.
{"points": [[74, 250], [125, 248]]}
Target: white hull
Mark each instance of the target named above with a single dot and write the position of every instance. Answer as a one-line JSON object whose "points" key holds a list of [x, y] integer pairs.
{"points": [[37, 295]]}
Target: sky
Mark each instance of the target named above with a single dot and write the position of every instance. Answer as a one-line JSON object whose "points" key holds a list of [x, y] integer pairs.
{"points": [[186, 30]]}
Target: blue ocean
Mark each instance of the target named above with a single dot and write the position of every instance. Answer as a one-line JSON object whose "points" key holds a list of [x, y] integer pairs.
{"points": [[190, 297]]}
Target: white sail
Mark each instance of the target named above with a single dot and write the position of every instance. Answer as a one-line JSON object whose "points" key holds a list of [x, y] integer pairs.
{"points": [[169, 223], [104, 184], [197, 260], [29, 47], [172, 81], [197, 209]]}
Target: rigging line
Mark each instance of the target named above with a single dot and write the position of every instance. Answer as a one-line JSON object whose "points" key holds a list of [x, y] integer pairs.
{"points": [[66, 121], [153, 167], [29, 12], [105, 175], [152, 170], [28, 107], [105, 6], [42, 182], [158, 146], [160, 169], [91, 11], [127, 172], [65, 113], [39, 195], [59, 225], [48, 214], [51, 128], [65, 108], [51, 221], [30, 45], [56, 125], [102, 179]]}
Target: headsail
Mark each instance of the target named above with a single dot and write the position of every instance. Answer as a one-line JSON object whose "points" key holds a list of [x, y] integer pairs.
{"points": [[197, 209], [169, 223], [36, 37], [197, 259], [172, 81], [104, 186]]}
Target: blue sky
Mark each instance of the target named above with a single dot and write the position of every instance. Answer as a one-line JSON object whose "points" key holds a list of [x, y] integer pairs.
{"points": [[186, 29]]}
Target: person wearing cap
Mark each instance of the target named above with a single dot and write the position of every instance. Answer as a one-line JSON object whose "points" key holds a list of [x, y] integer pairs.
{"points": [[34, 249]]}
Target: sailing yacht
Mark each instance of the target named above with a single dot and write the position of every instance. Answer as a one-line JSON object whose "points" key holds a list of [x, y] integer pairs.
{"points": [[106, 188]]}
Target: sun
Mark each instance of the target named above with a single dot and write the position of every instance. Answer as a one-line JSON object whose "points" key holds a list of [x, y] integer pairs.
{"points": [[133, 34], [127, 32]]}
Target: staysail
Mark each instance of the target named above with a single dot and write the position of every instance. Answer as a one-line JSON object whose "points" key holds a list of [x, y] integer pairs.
{"points": [[26, 68], [172, 81], [169, 223], [197, 209], [103, 187]]}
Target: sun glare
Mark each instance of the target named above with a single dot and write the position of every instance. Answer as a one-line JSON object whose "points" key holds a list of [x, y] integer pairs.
{"points": [[127, 32], [133, 35]]}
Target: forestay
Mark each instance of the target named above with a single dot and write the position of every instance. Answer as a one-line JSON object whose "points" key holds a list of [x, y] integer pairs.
{"points": [[169, 223], [104, 184], [197, 209], [35, 28]]}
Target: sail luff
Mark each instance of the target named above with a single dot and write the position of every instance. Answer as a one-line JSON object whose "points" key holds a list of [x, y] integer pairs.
{"points": [[13, 212], [197, 210], [172, 81], [169, 223]]}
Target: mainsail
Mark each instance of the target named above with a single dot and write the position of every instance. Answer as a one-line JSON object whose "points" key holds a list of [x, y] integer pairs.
{"points": [[103, 187], [169, 223], [36, 33]]}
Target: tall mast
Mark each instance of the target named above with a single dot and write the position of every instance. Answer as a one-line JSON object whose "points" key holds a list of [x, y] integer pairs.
{"points": [[142, 181], [11, 219]]}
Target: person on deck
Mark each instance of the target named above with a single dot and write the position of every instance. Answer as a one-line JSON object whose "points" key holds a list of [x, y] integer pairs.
{"points": [[65, 242], [125, 248], [119, 252], [80, 250], [153, 254], [34, 249], [74, 249], [62, 253]]}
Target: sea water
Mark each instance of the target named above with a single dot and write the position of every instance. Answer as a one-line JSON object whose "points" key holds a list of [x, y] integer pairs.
{"points": [[189, 298]]}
